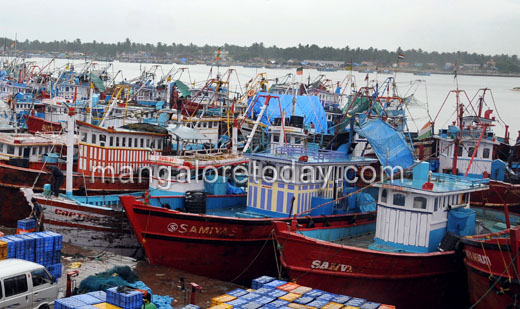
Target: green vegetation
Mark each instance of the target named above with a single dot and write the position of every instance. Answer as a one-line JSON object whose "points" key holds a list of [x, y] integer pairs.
{"points": [[381, 57]]}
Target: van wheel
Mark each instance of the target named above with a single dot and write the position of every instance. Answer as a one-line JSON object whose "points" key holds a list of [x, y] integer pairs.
{"points": [[44, 307]]}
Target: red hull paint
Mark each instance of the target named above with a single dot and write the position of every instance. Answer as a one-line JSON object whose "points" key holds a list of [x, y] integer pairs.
{"points": [[37, 124], [226, 248], [431, 280], [498, 194], [486, 261]]}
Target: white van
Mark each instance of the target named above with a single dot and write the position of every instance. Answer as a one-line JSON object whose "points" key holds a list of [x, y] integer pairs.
{"points": [[25, 284]]}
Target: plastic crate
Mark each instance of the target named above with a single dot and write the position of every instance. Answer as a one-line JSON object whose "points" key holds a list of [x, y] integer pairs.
{"points": [[275, 283], [57, 240], [303, 300], [259, 282], [3, 250], [357, 302], [301, 290], [264, 300], [101, 295], [276, 293], [288, 287], [26, 224], [56, 257], [39, 257], [87, 299], [297, 306], [126, 300], [383, 306], [106, 305], [19, 246], [328, 297], [56, 270], [370, 305], [251, 296], [48, 258], [222, 299], [237, 303], [264, 291], [238, 292], [341, 299], [29, 242], [251, 305], [222, 306], [318, 303], [29, 256], [277, 304], [11, 247], [48, 241], [290, 297], [68, 303], [190, 306], [333, 305]]}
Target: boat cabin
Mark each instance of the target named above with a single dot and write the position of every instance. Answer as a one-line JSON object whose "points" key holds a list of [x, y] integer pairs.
{"points": [[122, 149], [28, 146], [303, 173], [412, 214]]}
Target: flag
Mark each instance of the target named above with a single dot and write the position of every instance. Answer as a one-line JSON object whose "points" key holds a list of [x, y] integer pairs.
{"points": [[13, 44], [425, 131], [400, 56], [366, 77], [299, 71], [218, 54]]}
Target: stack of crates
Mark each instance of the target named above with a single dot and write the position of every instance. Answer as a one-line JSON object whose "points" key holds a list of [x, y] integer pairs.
{"points": [[268, 292], [92, 300], [25, 226], [126, 300], [42, 247]]}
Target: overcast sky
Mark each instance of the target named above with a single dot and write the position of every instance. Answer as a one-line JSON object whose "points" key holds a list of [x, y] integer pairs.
{"points": [[481, 26]]}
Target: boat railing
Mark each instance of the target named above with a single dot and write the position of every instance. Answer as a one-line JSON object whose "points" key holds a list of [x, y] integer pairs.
{"points": [[450, 178], [314, 152]]}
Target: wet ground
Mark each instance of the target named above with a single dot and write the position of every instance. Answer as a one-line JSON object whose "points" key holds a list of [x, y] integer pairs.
{"points": [[162, 280]]}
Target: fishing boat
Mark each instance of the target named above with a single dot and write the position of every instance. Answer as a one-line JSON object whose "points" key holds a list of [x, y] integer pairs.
{"points": [[403, 258], [234, 242], [492, 263]]}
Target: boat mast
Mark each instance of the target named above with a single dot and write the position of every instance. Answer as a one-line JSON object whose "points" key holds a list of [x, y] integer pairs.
{"points": [[70, 151]]}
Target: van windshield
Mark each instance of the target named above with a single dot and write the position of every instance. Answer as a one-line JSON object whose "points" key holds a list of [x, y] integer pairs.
{"points": [[40, 276]]}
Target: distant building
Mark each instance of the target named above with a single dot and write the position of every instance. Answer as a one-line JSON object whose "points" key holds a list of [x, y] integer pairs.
{"points": [[471, 66], [328, 63]]}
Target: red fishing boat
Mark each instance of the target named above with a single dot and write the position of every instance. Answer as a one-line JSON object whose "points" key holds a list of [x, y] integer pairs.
{"points": [[37, 124], [398, 260]]}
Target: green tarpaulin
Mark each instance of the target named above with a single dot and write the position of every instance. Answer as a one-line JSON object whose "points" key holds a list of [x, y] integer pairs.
{"points": [[97, 82], [183, 89]]}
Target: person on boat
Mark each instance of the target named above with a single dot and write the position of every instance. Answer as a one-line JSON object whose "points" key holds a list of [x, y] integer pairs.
{"points": [[58, 177], [37, 214]]}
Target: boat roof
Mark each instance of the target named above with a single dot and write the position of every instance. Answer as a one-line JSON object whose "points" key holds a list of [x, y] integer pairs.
{"points": [[289, 154], [134, 128], [442, 184], [185, 133], [29, 139]]}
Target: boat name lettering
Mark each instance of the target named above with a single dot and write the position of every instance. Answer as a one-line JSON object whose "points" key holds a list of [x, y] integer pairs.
{"points": [[477, 257], [317, 264], [66, 213], [208, 230]]}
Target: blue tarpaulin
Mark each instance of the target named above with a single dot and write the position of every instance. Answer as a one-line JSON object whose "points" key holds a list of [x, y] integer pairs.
{"points": [[307, 106], [388, 144]]}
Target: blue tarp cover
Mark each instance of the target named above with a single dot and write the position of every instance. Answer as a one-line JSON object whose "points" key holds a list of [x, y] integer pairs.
{"points": [[307, 106], [388, 144]]}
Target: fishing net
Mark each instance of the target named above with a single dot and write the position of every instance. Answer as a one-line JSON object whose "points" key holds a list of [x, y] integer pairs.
{"points": [[116, 276]]}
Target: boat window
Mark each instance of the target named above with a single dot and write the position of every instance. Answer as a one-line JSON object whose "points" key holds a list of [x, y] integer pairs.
{"points": [[399, 199], [384, 196], [129, 142], [117, 141], [269, 171], [84, 137], [102, 139], [147, 143], [276, 138], [485, 153], [159, 144], [436, 204], [10, 149], [419, 202], [459, 153], [15, 285], [210, 125], [111, 141], [470, 151], [94, 138], [298, 141], [142, 142], [40, 277], [1, 147], [136, 142], [123, 141], [152, 145], [34, 151]]}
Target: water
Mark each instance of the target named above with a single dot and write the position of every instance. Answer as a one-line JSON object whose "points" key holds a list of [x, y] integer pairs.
{"points": [[431, 93]]}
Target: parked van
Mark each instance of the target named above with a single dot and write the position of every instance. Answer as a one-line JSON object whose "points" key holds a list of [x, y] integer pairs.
{"points": [[25, 284]]}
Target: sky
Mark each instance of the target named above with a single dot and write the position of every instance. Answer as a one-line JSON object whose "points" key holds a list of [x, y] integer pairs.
{"points": [[481, 26]]}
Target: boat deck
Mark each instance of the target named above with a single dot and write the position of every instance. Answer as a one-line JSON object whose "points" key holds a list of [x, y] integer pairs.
{"points": [[360, 241]]}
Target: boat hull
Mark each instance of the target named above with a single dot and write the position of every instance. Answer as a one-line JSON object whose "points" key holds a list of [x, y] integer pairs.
{"points": [[431, 280], [97, 228], [499, 193], [225, 248]]}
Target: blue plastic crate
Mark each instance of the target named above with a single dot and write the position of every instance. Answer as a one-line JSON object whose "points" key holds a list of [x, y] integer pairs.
{"points": [[87, 307], [275, 283], [56, 270], [29, 256], [112, 295], [303, 300], [11, 247], [68, 303], [39, 257], [237, 292], [370, 305], [29, 242], [356, 302], [341, 299], [277, 304], [317, 303], [327, 297], [264, 290], [101, 295], [264, 300], [87, 299], [57, 239], [251, 305], [190, 306], [19, 246], [48, 241], [259, 282], [48, 258], [250, 296], [276, 293], [128, 300], [314, 293], [56, 256], [237, 303], [26, 224]]}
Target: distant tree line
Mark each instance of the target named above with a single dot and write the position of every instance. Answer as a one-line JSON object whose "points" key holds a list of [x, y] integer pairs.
{"points": [[382, 57]]}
